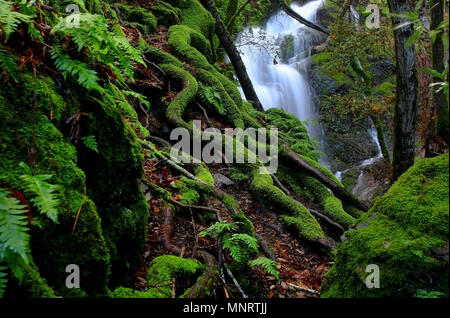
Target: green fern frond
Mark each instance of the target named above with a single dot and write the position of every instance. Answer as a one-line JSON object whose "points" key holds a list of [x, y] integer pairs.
{"points": [[45, 196], [9, 62], [3, 280], [139, 97], [268, 265], [217, 229], [10, 20], [79, 70], [211, 97], [103, 45], [241, 247], [90, 142], [13, 227]]}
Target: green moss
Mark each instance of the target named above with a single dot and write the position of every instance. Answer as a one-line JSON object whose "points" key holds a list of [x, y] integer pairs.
{"points": [[232, 112], [399, 234], [166, 14], [158, 56], [195, 16], [307, 226], [144, 20], [315, 192], [201, 171], [189, 195], [163, 268], [52, 245], [175, 110], [113, 183]]}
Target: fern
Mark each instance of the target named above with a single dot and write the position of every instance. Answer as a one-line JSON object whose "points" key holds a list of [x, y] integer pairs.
{"points": [[79, 70], [13, 227], [45, 196], [210, 96], [3, 280], [241, 247], [9, 62], [10, 20], [218, 229], [268, 265], [90, 142], [103, 45]]}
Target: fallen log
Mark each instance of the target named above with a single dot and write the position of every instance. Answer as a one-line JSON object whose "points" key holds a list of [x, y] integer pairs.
{"points": [[339, 191]]}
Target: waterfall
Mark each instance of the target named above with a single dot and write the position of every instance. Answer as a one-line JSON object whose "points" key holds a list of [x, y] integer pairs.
{"points": [[282, 81]]}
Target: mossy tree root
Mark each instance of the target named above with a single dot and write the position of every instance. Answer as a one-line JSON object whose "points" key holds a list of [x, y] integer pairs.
{"points": [[306, 225], [207, 281], [176, 108]]}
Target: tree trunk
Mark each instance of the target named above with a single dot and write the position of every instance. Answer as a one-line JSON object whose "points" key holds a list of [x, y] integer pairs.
{"points": [[235, 57], [406, 95], [286, 8], [439, 100]]}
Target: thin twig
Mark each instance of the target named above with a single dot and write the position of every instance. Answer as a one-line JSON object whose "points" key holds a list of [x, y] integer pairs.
{"points": [[195, 207], [79, 211], [235, 281], [204, 114], [327, 219], [307, 290], [280, 185], [194, 250]]}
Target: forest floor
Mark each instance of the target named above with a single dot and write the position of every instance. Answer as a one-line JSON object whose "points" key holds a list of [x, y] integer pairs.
{"points": [[299, 263]]}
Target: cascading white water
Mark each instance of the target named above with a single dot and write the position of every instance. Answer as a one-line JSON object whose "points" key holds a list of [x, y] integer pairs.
{"points": [[283, 84]]}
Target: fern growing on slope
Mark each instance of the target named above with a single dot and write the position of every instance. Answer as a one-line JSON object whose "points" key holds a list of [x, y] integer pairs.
{"points": [[268, 265], [218, 229], [241, 247], [9, 62], [44, 196], [211, 97], [14, 238], [90, 142], [103, 45], [77, 69], [9, 19]]}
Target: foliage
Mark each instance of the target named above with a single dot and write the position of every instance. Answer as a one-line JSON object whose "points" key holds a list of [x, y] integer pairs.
{"points": [[267, 264], [3, 280], [218, 229], [44, 196], [10, 19], [210, 96], [85, 77], [90, 142], [9, 62], [241, 247], [14, 238], [103, 45], [422, 293]]}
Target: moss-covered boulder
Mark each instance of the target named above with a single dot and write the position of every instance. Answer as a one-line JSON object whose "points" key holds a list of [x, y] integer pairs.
{"points": [[36, 123], [30, 112], [162, 270], [405, 233]]}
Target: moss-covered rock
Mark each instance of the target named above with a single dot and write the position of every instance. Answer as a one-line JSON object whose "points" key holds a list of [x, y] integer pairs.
{"points": [[113, 183], [403, 234], [144, 20], [163, 268], [52, 245]]}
